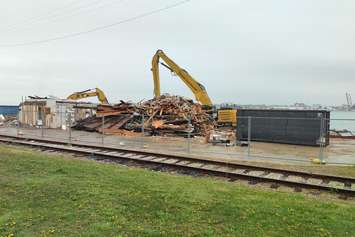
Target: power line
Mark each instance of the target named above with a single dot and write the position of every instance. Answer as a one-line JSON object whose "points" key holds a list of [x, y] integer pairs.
{"points": [[99, 28], [46, 15], [70, 14], [86, 9]]}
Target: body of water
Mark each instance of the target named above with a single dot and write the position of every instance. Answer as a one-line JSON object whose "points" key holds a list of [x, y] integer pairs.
{"points": [[342, 124]]}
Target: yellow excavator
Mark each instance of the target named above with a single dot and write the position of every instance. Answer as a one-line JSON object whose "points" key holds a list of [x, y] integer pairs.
{"points": [[89, 93], [225, 117], [197, 89]]}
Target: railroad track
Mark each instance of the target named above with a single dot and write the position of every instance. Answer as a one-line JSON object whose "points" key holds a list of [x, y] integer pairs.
{"points": [[254, 174]]}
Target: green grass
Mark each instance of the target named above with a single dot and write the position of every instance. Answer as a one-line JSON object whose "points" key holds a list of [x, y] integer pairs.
{"points": [[49, 195]]}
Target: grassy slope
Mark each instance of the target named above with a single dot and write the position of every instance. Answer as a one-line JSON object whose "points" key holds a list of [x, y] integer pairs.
{"points": [[43, 195]]}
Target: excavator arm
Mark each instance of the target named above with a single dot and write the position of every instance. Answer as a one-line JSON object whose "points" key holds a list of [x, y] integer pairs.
{"points": [[89, 93], [197, 89]]}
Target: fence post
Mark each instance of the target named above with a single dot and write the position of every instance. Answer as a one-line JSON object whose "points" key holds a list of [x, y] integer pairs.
{"points": [[321, 139], [142, 124], [69, 129], [143, 121], [42, 127], [18, 124], [189, 135], [103, 130], [249, 135], [61, 117], [18, 117]]}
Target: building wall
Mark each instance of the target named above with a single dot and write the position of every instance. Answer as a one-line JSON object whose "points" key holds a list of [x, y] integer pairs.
{"points": [[52, 113], [9, 110], [30, 114]]}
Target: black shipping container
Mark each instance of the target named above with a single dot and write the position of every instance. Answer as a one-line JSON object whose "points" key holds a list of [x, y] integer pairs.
{"points": [[299, 127]]}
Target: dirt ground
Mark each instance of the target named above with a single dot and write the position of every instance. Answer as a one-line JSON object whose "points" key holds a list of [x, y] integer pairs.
{"points": [[340, 152]]}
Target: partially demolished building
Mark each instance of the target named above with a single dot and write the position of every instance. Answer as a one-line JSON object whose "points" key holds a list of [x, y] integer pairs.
{"points": [[52, 112]]}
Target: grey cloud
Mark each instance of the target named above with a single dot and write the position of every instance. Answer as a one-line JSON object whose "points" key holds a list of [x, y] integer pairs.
{"points": [[242, 51]]}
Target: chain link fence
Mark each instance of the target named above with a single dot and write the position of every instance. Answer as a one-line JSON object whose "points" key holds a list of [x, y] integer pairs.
{"points": [[329, 147]]}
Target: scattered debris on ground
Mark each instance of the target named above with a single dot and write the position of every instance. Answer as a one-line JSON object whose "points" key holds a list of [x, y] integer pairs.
{"points": [[2, 119], [163, 116], [7, 121], [344, 133], [224, 137]]}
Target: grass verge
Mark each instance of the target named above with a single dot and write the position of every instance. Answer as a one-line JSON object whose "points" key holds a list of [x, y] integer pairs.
{"points": [[50, 195]]}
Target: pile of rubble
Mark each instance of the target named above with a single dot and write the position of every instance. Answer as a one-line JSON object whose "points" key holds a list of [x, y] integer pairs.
{"points": [[7, 121], [163, 116], [2, 119]]}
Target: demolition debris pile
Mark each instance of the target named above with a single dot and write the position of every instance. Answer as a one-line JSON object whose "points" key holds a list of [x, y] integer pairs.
{"points": [[163, 116], [7, 121]]}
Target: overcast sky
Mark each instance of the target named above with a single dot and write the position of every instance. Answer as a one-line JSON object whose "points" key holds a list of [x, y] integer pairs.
{"points": [[243, 51]]}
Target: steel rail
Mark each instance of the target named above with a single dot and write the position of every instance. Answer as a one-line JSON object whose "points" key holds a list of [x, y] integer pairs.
{"points": [[296, 179]]}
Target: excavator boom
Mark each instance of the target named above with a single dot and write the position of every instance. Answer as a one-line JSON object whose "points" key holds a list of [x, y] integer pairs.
{"points": [[89, 93], [197, 89]]}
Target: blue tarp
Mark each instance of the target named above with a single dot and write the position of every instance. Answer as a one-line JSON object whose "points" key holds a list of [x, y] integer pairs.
{"points": [[9, 110]]}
